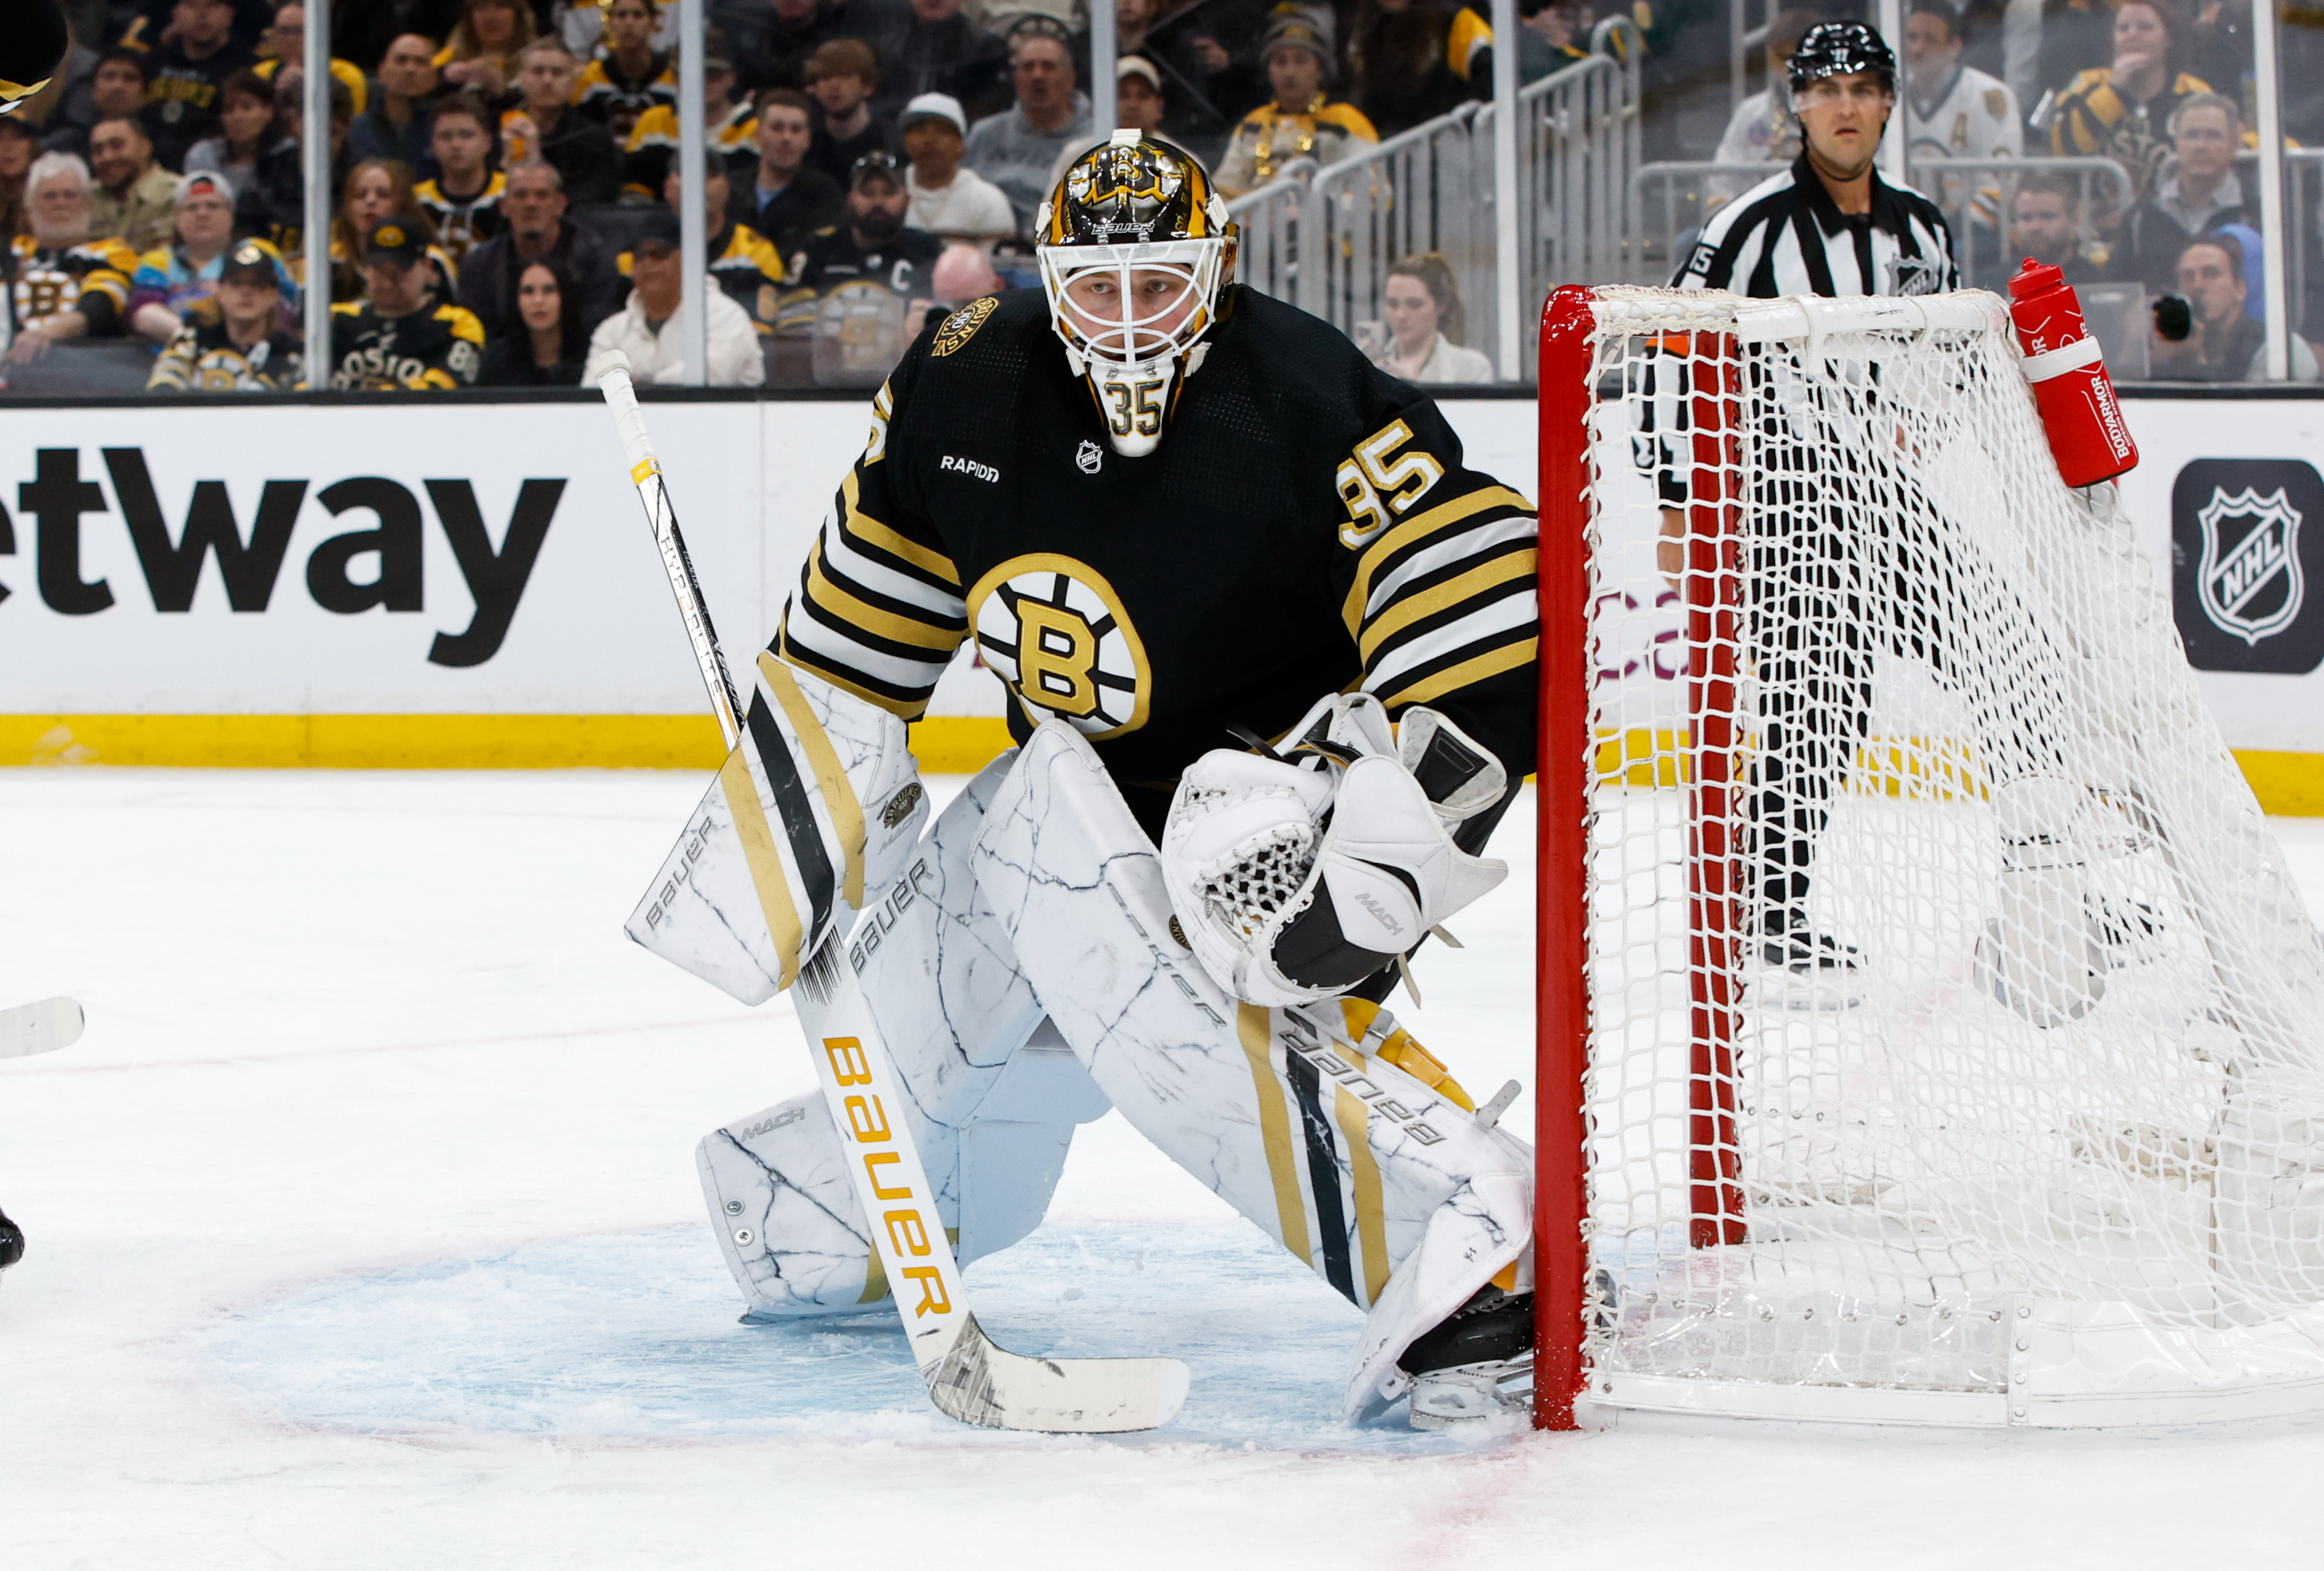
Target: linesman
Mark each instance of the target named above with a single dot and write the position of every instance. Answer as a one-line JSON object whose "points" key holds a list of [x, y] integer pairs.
{"points": [[1829, 225]]}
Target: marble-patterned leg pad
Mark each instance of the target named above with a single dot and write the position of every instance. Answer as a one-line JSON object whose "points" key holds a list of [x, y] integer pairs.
{"points": [[788, 1221], [1391, 1193], [993, 1091]]}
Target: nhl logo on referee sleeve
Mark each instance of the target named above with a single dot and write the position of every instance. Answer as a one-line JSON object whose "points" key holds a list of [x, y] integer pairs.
{"points": [[1053, 629], [2247, 543]]}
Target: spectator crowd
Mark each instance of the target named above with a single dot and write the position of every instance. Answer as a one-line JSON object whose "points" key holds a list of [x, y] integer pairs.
{"points": [[505, 178]]}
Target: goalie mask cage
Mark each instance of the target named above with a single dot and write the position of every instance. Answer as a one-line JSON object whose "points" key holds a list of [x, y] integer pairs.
{"points": [[2051, 1149]]}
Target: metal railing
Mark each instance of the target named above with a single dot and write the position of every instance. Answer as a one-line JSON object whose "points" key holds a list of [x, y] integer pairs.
{"points": [[1266, 220], [1324, 239]]}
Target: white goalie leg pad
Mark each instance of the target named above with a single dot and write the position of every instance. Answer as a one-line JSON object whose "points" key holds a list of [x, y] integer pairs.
{"points": [[820, 802], [993, 1094], [793, 1231], [1387, 1188], [1295, 881]]}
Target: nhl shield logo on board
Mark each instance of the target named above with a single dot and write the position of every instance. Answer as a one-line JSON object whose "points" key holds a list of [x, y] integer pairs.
{"points": [[2251, 584], [2245, 543]]}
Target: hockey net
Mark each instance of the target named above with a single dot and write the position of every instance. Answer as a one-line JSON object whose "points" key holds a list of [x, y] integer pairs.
{"points": [[1930, 1029]]}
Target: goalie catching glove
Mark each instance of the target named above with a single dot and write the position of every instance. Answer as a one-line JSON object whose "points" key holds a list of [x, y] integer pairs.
{"points": [[1296, 875]]}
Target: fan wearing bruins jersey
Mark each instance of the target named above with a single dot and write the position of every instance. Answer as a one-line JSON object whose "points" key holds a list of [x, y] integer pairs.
{"points": [[232, 340], [400, 336], [1269, 649], [64, 290]]}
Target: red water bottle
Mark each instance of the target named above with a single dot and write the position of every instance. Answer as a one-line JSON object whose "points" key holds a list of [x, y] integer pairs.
{"points": [[2087, 435]]}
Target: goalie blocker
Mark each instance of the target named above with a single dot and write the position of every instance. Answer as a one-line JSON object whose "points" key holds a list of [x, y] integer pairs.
{"points": [[1012, 957]]}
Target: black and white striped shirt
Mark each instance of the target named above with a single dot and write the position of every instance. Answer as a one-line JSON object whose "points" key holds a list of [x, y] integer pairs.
{"points": [[1785, 236]]}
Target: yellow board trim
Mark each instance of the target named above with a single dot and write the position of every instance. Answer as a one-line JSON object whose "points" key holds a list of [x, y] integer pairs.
{"points": [[2290, 783], [2287, 784], [831, 782], [1372, 1220], [1252, 1025], [758, 839]]}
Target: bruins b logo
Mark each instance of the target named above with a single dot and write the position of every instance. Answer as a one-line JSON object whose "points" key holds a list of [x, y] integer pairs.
{"points": [[1056, 631]]}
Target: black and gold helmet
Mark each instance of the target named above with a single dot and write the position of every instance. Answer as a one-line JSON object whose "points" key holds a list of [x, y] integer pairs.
{"points": [[1136, 252]]}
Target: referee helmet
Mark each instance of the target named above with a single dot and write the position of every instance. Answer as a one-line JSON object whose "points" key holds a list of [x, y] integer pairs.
{"points": [[1839, 48]]}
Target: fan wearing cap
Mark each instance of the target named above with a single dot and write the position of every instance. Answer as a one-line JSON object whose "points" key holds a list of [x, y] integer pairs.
{"points": [[235, 341], [730, 130], [171, 278], [944, 199], [1173, 512], [872, 242], [1300, 121], [400, 336], [650, 328]]}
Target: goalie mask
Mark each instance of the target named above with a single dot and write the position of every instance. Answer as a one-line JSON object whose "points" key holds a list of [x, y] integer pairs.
{"points": [[1135, 253]]}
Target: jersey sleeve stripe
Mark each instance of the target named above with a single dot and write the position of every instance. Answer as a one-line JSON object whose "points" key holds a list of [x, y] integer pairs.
{"points": [[837, 602], [1516, 561], [846, 558], [1429, 559], [879, 537], [1468, 673], [1488, 626], [902, 703], [1379, 555]]}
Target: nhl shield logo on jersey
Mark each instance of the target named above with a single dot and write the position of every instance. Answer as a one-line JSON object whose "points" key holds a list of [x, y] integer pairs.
{"points": [[1090, 456], [2249, 576], [1054, 631], [2243, 548], [959, 328]]}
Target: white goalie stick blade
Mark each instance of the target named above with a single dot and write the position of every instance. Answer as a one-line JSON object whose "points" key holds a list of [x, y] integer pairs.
{"points": [[38, 1028], [969, 1377]]}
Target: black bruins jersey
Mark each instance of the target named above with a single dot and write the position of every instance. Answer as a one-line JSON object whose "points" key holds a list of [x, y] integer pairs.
{"points": [[1306, 527], [92, 279], [435, 346], [202, 359]]}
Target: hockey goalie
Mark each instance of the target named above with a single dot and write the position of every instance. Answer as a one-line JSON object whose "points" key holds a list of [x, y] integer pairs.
{"points": [[1269, 648]]}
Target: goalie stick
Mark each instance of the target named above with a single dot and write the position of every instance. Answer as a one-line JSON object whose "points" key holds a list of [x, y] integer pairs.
{"points": [[968, 1376], [38, 1028]]}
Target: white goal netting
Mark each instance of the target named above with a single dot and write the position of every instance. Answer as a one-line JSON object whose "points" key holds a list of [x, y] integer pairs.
{"points": [[1957, 1033]]}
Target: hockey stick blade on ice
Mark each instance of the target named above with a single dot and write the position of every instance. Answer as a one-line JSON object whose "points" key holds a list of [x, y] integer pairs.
{"points": [[968, 1377], [38, 1028]]}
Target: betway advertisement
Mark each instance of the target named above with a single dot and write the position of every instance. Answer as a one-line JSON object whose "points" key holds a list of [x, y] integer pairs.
{"points": [[477, 560]]}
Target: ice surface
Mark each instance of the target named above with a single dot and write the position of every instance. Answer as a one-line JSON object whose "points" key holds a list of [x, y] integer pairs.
{"points": [[364, 1232]]}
